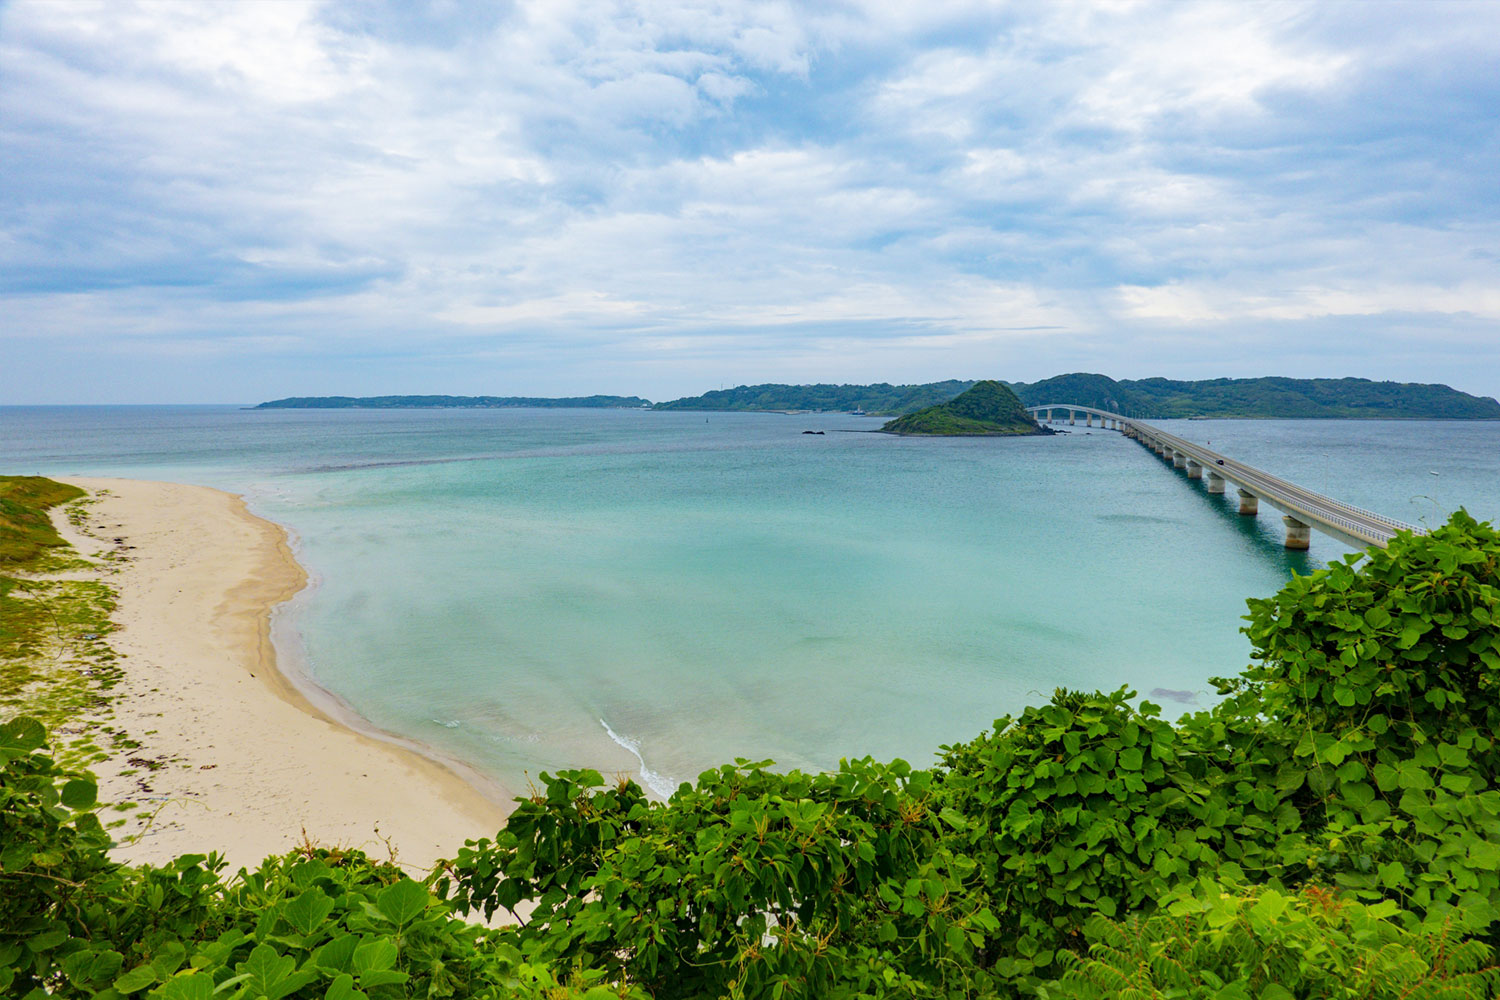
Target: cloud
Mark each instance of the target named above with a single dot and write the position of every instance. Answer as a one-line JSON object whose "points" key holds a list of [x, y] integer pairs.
{"points": [[504, 197]]}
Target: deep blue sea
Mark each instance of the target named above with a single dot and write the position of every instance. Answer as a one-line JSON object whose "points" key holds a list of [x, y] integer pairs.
{"points": [[660, 592]]}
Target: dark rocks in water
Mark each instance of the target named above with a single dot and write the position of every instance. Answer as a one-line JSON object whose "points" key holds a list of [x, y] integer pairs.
{"points": [[812, 432]]}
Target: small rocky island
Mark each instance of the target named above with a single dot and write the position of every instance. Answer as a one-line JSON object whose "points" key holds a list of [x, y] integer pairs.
{"points": [[989, 409]]}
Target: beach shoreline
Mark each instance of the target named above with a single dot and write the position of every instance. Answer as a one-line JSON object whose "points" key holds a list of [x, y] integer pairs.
{"points": [[239, 752]]}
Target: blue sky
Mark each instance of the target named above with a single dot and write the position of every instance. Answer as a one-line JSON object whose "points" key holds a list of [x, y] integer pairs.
{"points": [[228, 202]]}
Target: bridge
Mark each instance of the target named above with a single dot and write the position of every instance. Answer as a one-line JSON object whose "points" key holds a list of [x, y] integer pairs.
{"points": [[1302, 509]]}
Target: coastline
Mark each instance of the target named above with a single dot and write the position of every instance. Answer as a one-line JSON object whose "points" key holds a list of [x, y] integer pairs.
{"points": [[237, 753]]}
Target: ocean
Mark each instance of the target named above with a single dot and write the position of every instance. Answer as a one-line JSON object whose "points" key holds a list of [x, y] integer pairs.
{"points": [[656, 593]]}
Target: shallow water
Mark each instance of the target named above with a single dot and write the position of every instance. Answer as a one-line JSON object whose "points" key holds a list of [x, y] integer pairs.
{"points": [[660, 592]]}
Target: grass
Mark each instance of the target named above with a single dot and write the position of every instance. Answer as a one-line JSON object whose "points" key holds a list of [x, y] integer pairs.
{"points": [[55, 662], [26, 531]]}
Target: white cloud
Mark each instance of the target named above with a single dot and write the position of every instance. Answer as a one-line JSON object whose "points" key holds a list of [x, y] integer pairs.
{"points": [[924, 184]]}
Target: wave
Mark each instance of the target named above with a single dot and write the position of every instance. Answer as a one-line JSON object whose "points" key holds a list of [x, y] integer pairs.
{"points": [[657, 782]]}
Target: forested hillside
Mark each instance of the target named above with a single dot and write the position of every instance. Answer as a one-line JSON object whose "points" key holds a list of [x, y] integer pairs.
{"points": [[1162, 398], [987, 410], [881, 399]]}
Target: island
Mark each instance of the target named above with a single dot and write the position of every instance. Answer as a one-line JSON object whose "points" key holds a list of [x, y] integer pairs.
{"points": [[1276, 398], [451, 402], [881, 399], [1149, 398], [989, 409]]}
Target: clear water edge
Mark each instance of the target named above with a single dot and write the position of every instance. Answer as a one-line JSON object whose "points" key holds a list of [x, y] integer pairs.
{"points": [[1082, 602]]}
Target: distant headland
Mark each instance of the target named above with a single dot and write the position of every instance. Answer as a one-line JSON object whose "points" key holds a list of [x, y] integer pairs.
{"points": [[450, 402], [1150, 398], [989, 409]]}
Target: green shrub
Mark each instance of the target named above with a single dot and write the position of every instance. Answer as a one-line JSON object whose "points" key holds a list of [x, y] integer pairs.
{"points": [[1265, 944], [749, 883], [1091, 805], [1400, 644]]}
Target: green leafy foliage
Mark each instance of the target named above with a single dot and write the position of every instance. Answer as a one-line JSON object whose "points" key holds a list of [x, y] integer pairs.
{"points": [[313, 925], [1264, 944], [1401, 643], [1090, 805], [749, 883]]}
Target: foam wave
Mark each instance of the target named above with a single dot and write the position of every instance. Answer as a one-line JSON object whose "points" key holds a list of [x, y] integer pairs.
{"points": [[657, 782]]}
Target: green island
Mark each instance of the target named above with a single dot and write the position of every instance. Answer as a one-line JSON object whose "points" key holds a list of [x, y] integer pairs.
{"points": [[1158, 398], [881, 399], [989, 409], [1260, 397], [451, 402], [1329, 828]]}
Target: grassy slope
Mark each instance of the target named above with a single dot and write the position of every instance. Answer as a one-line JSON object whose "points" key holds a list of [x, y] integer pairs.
{"points": [[26, 532], [54, 662]]}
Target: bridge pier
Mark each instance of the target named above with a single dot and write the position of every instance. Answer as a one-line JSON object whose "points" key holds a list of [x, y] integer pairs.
{"points": [[1299, 509]]}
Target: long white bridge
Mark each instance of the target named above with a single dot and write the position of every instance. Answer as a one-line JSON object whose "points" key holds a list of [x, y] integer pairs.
{"points": [[1302, 509]]}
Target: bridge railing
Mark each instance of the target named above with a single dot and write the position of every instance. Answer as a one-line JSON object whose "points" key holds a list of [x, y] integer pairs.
{"points": [[1296, 501]]}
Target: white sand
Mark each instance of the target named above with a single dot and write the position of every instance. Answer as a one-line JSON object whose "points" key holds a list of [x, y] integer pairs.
{"points": [[250, 762]]}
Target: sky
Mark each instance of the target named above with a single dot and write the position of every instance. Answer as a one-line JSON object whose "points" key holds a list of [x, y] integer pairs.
{"points": [[231, 202]]}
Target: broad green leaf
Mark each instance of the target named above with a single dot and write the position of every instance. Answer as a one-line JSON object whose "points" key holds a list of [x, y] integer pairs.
{"points": [[21, 735], [137, 978], [1484, 854], [372, 956], [308, 911], [343, 988], [402, 901], [381, 977], [266, 969], [188, 986], [80, 794], [336, 955]]}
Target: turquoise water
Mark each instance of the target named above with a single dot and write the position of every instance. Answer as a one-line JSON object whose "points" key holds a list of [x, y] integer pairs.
{"points": [[657, 593]]}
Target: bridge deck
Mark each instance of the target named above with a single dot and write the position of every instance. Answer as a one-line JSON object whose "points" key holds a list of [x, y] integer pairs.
{"points": [[1325, 513]]}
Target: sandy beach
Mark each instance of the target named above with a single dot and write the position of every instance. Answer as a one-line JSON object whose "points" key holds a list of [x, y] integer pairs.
{"points": [[235, 757]]}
